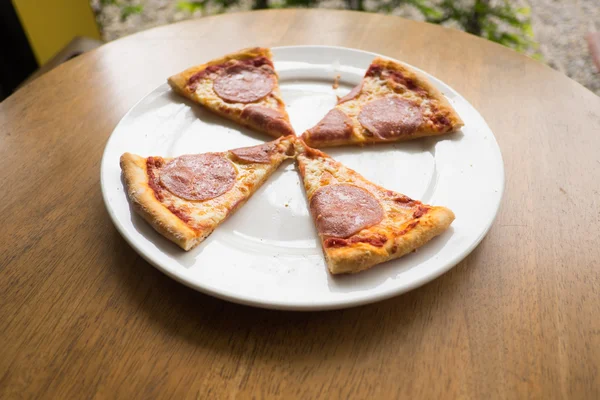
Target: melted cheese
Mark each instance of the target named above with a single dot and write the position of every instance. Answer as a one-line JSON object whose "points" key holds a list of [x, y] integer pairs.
{"points": [[209, 213], [205, 94], [374, 88], [321, 171]]}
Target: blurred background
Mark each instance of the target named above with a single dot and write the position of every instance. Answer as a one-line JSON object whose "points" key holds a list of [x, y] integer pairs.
{"points": [[42, 34]]}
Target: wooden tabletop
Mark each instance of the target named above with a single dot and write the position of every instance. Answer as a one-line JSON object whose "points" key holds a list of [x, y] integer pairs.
{"points": [[83, 316]]}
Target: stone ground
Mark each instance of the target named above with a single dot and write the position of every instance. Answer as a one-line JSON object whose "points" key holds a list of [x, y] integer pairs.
{"points": [[559, 27]]}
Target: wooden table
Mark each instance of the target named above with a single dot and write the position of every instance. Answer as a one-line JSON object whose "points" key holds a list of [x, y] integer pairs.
{"points": [[84, 316]]}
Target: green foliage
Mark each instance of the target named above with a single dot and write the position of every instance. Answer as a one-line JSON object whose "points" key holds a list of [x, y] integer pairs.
{"points": [[496, 20], [426, 8], [130, 9], [125, 7], [200, 5], [299, 3], [191, 6]]}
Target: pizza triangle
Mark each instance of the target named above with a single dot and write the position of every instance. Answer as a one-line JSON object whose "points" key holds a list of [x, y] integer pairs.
{"points": [[242, 87], [361, 224], [187, 197], [392, 103]]}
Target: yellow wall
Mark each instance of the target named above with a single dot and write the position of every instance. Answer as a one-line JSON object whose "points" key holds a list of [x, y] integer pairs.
{"points": [[51, 24]]}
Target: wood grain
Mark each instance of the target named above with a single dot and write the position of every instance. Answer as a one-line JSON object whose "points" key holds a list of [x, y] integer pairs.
{"points": [[84, 317]]}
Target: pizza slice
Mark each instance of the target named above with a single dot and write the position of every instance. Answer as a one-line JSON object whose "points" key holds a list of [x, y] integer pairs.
{"points": [[242, 86], [362, 224], [392, 103], [187, 197]]}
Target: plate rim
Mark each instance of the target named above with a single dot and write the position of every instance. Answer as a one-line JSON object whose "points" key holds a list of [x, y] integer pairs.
{"points": [[331, 304]]}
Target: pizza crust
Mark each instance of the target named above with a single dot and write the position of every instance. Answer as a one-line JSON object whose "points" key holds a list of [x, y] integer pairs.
{"points": [[204, 216], [402, 228], [422, 81], [205, 95], [438, 116], [153, 211], [361, 256], [179, 81]]}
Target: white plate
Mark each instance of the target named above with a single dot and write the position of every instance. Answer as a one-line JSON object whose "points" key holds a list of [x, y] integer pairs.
{"points": [[267, 254]]}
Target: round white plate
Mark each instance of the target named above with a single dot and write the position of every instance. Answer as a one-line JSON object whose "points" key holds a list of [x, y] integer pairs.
{"points": [[268, 254]]}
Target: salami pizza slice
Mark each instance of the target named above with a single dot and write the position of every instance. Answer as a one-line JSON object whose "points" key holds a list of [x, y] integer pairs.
{"points": [[362, 224], [243, 87], [392, 103], [187, 197]]}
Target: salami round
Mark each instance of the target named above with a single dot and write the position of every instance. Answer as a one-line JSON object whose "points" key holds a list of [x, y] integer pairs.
{"points": [[243, 83], [390, 117], [198, 177], [268, 119], [256, 154], [334, 126], [351, 94], [343, 210]]}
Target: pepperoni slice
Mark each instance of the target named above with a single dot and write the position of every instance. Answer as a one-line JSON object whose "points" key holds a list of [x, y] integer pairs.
{"points": [[198, 177], [351, 94], [343, 210], [334, 126], [256, 154], [267, 119], [390, 117], [243, 83]]}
